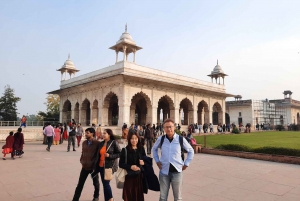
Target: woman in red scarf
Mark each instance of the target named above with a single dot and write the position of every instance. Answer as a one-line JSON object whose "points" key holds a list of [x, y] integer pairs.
{"points": [[8, 147]]}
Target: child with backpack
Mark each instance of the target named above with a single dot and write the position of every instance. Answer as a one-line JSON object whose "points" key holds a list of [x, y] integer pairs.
{"points": [[8, 147]]}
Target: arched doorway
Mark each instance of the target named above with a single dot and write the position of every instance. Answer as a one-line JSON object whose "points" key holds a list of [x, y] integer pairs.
{"points": [[281, 120], [111, 110], [165, 109], [66, 112], [227, 118], [298, 119], [186, 112], [86, 112], [95, 112], [203, 113], [217, 114], [140, 109], [76, 113]]}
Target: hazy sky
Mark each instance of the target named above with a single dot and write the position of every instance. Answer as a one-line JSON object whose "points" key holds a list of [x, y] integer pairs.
{"points": [[257, 43]]}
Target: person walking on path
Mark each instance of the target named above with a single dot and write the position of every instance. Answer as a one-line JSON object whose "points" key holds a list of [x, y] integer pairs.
{"points": [[23, 121], [9, 143], [134, 151], [49, 132], [72, 138], [149, 137], [87, 160], [61, 133], [18, 144], [56, 135], [79, 134], [171, 163], [65, 134], [107, 155]]}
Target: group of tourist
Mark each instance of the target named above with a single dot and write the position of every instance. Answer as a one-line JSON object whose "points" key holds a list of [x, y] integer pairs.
{"points": [[101, 158], [208, 128], [54, 135], [14, 144]]}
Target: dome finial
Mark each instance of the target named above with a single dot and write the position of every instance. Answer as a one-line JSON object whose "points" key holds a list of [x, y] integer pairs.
{"points": [[126, 28], [69, 56], [217, 62]]}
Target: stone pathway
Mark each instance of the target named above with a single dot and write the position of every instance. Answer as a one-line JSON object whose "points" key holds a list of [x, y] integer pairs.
{"points": [[52, 176]]}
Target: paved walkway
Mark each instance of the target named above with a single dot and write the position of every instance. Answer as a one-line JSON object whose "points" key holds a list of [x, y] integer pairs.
{"points": [[44, 176]]}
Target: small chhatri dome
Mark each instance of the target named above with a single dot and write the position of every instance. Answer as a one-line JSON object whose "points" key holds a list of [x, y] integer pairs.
{"points": [[69, 68], [69, 64], [217, 74], [126, 37], [126, 45], [217, 69]]}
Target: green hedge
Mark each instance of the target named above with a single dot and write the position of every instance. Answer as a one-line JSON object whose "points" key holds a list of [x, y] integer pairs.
{"points": [[264, 150]]}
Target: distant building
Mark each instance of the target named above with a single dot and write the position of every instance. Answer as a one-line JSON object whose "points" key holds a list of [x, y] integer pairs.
{"points": [[274, 112]]}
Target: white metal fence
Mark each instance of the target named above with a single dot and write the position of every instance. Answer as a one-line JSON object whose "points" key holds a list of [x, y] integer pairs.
{"points": [[28, 123]]}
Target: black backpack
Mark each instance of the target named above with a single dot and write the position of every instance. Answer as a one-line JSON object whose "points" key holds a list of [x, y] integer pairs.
{"points": [[180, 142]]}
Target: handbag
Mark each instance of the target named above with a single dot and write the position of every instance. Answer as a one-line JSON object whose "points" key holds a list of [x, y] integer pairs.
{"points": [[120, 174], [108, 174]]}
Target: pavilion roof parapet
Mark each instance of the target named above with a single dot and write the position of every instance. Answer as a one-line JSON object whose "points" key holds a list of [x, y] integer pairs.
{"points": [[240, 102]]}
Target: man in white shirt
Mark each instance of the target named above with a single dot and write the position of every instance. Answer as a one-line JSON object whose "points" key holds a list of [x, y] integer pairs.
{"points": [[171, 163]]}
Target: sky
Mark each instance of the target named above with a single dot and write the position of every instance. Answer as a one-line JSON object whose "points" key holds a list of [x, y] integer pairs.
{"points": [[257, 43]]}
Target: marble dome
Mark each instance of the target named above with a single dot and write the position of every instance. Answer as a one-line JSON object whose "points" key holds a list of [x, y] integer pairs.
{"points": [[126, 35], [69, 64], [217, 69]]}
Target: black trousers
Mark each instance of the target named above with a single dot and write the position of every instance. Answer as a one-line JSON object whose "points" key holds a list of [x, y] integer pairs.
{"points": [[71, 139], [49, 141], [149, 145], [82, 177], [61, 139]]}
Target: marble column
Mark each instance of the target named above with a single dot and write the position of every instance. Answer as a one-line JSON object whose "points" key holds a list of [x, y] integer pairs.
{"points": [[158, 115], [202, 116], [154, 115], [124, 56], [180, 116], [117, 56], [210, 116], [61, 116], [125, 115], [134, 55], [195, 119]]}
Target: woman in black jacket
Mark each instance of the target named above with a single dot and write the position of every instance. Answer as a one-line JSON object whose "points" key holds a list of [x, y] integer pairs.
{"points": [[133, 186], [107, 155]]}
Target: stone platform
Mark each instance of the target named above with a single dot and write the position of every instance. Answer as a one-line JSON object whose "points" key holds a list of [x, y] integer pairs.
{"points": [[52, 176], [31, 133]]}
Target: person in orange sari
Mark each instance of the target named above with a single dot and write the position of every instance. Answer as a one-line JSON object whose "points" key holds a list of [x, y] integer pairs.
{"points": [[57, 135], [8, 147]]}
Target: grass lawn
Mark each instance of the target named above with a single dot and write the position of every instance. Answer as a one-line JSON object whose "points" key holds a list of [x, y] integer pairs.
{"points": [[280, 139]]}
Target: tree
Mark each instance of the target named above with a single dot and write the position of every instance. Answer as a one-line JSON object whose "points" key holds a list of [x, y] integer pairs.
{"points": [[52, 113], [8, 105]]}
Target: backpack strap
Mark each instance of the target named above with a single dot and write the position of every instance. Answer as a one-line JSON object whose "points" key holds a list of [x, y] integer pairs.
{"points": [[162, 140]]}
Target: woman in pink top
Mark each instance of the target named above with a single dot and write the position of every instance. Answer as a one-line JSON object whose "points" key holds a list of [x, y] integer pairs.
{"points": [[57, 135]]}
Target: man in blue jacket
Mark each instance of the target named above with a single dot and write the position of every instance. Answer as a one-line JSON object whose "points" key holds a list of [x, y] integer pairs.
{"points": [[171, 162]]}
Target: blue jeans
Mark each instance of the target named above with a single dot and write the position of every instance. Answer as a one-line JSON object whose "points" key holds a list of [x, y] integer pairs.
{"points": [[174, 178], [106, 185]]}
